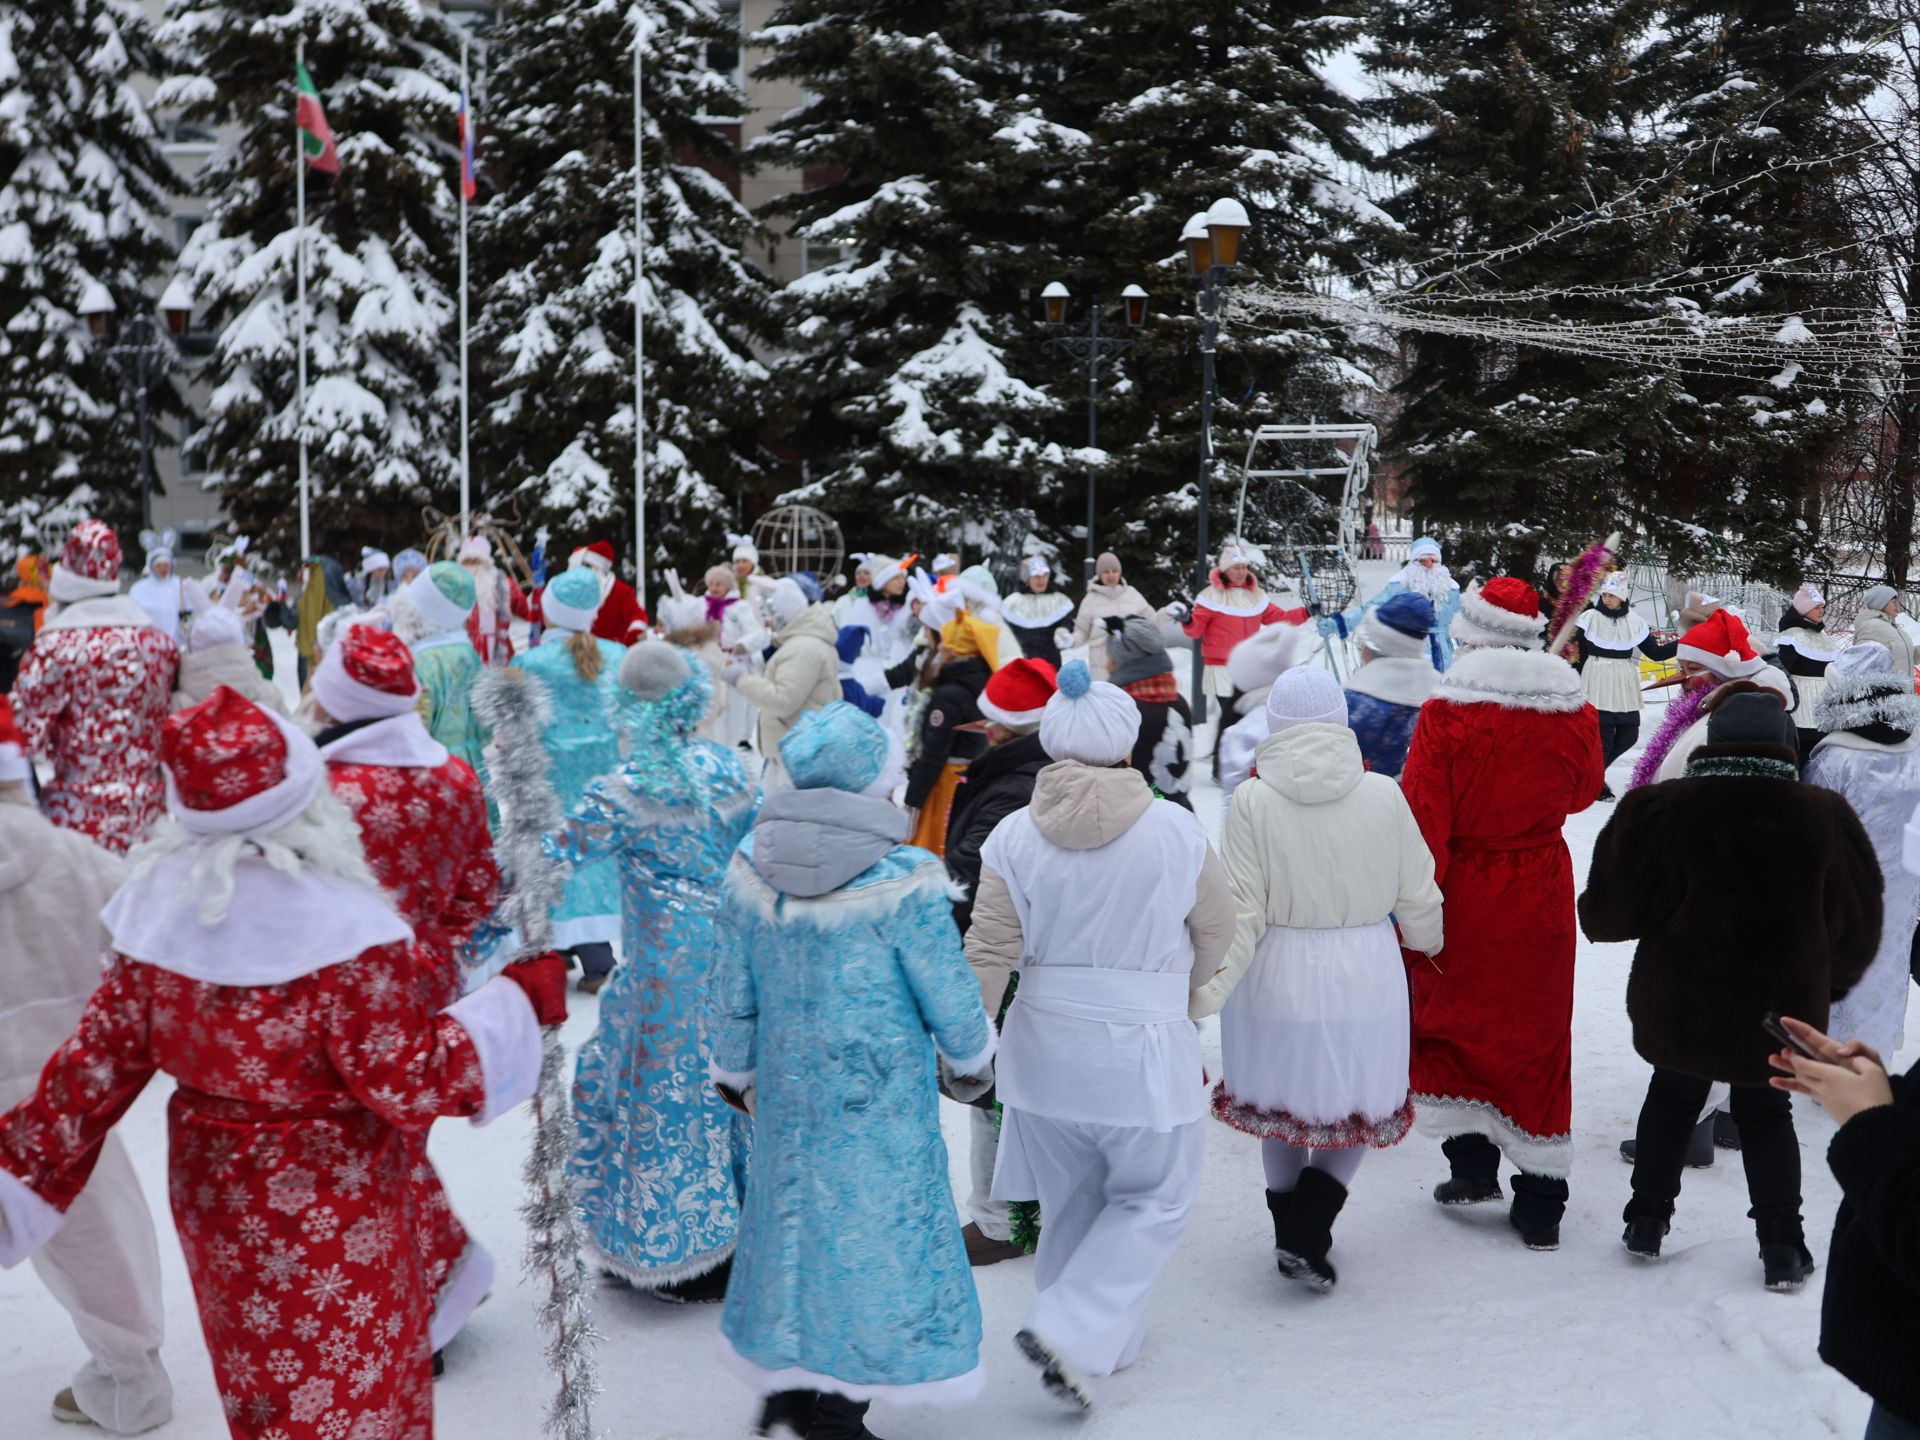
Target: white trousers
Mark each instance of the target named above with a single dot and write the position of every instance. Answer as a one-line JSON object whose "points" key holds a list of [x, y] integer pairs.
{"points": [[1114, 1202], [983, 1140], [103, 1266]]}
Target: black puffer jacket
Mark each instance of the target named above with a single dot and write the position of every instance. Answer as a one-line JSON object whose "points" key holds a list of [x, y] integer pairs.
{"points": [[1870, 1316], [997, 784], [955, 701]]}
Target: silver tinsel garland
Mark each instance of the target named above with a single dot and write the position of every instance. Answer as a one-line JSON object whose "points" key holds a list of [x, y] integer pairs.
{"points": [[515, 707]]}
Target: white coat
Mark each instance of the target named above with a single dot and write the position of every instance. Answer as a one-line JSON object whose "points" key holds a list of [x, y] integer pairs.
{"points": [[803, 675]]}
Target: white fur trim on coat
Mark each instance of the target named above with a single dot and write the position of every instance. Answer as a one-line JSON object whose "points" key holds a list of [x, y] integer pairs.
{"points": [[1480, 622], [1443, 1116], [1511, 679], [974, 1064], [737, 1080], [108, 612], [461, 1295], [29, 1221], [1850, 701], [839, 907], [499, 1018], [956, 1390], [1395, 679]]}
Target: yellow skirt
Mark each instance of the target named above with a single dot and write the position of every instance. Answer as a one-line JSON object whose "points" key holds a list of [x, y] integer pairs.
{"points": [[930, 830]]}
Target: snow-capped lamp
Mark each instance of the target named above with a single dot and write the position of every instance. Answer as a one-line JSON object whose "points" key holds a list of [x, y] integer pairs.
{"points": [[96, 308], [176, 305], [1054, 298], [1136, 303], [1212, 236]]}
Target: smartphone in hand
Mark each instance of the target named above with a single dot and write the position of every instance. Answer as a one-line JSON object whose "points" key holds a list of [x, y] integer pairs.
{"points": [[1772, 1024]]}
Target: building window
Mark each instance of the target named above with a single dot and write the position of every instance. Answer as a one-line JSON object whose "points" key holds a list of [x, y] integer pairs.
{"points": [[819, 254], [188, 132], [193, 461], [183, 228], [726, 58]]}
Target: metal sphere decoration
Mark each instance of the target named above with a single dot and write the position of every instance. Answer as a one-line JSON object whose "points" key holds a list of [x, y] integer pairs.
{"points": [[793, 538]]}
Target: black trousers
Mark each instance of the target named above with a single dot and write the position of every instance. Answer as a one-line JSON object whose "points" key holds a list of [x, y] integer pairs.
{"points": [[1618, 730], [1768, 1148]]}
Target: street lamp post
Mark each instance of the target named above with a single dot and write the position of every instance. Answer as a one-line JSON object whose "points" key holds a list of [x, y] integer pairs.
{"points": [[1212, 240], [133, 358], [1088, 349]]}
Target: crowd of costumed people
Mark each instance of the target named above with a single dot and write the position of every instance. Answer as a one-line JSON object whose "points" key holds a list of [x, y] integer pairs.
{"points": [[828, 859]]}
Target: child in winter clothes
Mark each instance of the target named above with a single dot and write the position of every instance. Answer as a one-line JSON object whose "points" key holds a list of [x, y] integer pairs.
{"points": [[1804, 652], [1870, 753], [1115, 909], [1232, 607], [1698, 987], [104, 1264], [1873, 1270], [837, 962], [1395, 677], [1108, 595], [1143, 668], [945, 745], [1314, 1034], [1608, 636]]}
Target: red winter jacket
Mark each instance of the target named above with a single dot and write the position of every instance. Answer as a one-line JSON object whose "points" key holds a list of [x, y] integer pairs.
{"points": [[1224, 615]]}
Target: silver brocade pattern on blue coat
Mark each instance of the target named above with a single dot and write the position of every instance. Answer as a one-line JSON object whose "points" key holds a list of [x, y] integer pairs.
{"points": [[582, 745], [662, 1159], [1384, 730], [851, 1263]]}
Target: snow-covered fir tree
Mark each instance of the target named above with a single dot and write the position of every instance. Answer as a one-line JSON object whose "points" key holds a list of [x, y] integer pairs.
{"points": [[1186, 105], [382, 367], [1513, 127], [554, 328], [913, 382], [83, 193], [1762, 154]]}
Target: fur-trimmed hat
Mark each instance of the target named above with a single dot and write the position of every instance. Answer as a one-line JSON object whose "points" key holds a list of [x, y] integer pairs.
{"points": [[571, 600], [1398, 627], [233, 768], [443, 594], [366, 674], [1863, 691], [654, 669], [14, 765], [1720, 643], [1017, 695], [1502, 612]]}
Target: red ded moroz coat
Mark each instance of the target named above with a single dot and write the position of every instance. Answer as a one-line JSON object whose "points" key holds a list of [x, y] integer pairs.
{"points": [[1503, 752]]}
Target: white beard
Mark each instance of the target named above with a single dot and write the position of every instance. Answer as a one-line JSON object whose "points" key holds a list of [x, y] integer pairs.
{"points": [[1431, 584]]}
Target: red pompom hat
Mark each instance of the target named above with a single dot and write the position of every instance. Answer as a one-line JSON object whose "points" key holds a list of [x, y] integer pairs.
{"points": [[1017, 695], [1502, 612], [366, 674], [236, 769], [1721, 643], [14, 764]]}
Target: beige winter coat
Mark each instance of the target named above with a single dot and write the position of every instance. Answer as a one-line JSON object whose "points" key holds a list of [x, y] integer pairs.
{"points": [[1313, 842], [1877, 627], [204, 671], [1100, 602], [52, 944], [1079, 808], [803, 675]]}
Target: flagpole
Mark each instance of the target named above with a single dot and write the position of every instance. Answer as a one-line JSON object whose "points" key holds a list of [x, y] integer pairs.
{"points": [[639, 329], [466, 131], [300, 304]]}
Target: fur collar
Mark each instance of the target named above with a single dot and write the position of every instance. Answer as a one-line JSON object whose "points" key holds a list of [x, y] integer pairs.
{"points": [[1513, 680], [1398, 680], [104, 612], [1742, 762], [1855, 702], [878, 893]]}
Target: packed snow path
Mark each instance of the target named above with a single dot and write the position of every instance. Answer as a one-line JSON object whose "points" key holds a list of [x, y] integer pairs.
{"points": [[1441, 1319]]}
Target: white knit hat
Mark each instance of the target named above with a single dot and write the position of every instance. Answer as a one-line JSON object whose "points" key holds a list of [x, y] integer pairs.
{"points": [[1089, 720], [1305, 695], [786, 600], [1806, 598], [213, 626]]}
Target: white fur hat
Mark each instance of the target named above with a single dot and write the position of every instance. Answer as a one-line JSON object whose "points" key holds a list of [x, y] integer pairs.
{"points": [[1265, 655]]}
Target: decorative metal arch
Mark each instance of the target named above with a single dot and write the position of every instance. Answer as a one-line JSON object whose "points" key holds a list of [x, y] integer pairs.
{"points": [[1354, 468]]}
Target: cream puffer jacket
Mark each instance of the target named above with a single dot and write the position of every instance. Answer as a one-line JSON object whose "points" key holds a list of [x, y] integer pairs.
{"points": [[53, 883], [1313, 842], [1096, 606], [803, 675], [1877, 627]]}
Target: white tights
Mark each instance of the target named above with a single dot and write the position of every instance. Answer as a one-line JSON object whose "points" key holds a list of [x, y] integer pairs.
{"points": [[1284, 1163]]}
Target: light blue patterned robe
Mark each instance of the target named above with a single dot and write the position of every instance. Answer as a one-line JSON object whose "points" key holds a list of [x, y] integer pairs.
{"points": [[1439, 640], [446, 673], [662, 1159], [582, 745], [851, 1270]]}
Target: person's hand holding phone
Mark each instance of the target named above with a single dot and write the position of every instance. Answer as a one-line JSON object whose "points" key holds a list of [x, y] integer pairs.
{"points": [[1844, 1078]]}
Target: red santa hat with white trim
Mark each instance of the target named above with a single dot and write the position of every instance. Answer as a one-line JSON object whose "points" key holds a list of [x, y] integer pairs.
{"points": [[14, 765], [89, 563], [1720, 643], [366, 674], [598, 556], [1017, 695], [1503, 612], [233, 768]]}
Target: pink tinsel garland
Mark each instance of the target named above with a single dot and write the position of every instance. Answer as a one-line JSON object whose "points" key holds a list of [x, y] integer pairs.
{"points": [[1681, 712], [1588, 571]]}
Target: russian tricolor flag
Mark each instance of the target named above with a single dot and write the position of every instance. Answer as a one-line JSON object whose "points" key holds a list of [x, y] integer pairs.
{"points": [[467, 185]]}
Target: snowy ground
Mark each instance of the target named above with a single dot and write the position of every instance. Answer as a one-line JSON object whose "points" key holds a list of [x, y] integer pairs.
{"points": [[1441, 1318]]}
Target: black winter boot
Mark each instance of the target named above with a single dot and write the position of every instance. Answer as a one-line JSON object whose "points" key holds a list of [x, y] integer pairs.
{"points": [[1476, 1171], [1647, 1225], [1539, 1202], [1784, 1255], [705, 1289], [838, 1418], [1279, 1203], [788, 1415], [1699, 1145], [1061, 1380], [1307, 1233]]}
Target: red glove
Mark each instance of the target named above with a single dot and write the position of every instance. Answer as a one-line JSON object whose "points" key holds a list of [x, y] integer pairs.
{"points": [[544, 979]]}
